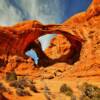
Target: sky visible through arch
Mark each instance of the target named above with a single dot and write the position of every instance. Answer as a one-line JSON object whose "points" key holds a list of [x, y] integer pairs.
{"points": [[46, 11]]}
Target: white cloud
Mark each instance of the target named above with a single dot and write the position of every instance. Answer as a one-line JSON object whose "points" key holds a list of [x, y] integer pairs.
{"points": [[8, 14], [46, 11]]}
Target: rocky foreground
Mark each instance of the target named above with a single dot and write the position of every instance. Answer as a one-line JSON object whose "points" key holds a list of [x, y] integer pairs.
{"points": [[21, 79]]}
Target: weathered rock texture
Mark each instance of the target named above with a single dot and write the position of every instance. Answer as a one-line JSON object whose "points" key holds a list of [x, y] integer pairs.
{"points": [[19, 38], [83, 56]]}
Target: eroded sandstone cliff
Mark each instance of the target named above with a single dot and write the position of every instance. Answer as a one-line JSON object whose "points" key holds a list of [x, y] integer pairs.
{"points": [[21, 79]]}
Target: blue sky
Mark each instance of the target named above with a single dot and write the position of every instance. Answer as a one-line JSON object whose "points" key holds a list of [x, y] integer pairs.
{"points": [[46, 11]]}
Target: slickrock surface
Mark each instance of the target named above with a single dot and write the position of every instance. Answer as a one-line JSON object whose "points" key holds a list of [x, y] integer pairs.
{"points": [[21, 79]]}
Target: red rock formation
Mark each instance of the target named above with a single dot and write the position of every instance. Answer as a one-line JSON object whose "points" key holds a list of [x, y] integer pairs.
{"points": [[86, 69], [16, 40], [2, 97]]}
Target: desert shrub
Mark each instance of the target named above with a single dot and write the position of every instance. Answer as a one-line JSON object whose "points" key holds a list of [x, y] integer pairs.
{"points": [[21, 92], [25, 81], [90, 92], [66, 90], [10, 76], [22, 83], [16, 84]]}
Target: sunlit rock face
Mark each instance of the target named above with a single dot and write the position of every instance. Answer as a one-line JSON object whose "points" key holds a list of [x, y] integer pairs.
{"points": [[59, 46]]}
